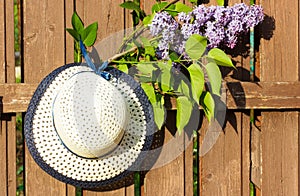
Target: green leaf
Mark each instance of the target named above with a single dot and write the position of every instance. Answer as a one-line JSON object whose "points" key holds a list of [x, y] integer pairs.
{"points": [[197, 81], [195, 46], [171, 10], [173, 56], [149, 49], [77, 23], [148, 19], [184, 88], [145, 41], [215, 77], [89, 34], [143, 78], [165, 78], [220, 2], [146, 68], [150, 92], [180, 7], [159, 6], [184, 112], [21, 187], [157, 102], [135, 17], [20, 170], [74, 34], [159, 111], [220, 57], [123, 68], [193, 1], [131, 6], [208, 104]]}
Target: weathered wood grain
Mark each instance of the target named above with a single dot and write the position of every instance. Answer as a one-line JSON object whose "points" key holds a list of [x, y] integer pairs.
{"points": [[280, 144], [2, 40], [171, 178], [188, 169], [44, 43], [240, 95], [221, 167], [69, 40], [3, 158], [9, 42], [280, 130], [246, 153], [69, 56], [168, 179], [8, 131], [3, 163], [263, 95], [279, 55], [118, 192], [43, 40], [256, 156], [11, 155]]}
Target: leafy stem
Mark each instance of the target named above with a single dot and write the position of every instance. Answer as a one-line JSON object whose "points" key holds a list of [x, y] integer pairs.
{"points": [[87, 35], [77, 52], [169, 4]]}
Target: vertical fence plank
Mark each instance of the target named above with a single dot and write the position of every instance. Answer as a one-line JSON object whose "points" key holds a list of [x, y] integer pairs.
{"points": [[280, 153], [224, 170], [10, 78], [2, 40], [43, 38], [3, 162], [279, 56], [245, 156], [221, 169], [3, 166], [3, 130], [8, 121], [108, 14], [120, 192], [69, 56], [11, 155], [189, 159], [188, 170], [43, 51], [110, 18], [280, 130], [10, 42], [169, 179], [69, 40]]}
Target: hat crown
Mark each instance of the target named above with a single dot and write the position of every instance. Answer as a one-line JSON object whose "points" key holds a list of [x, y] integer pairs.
{"points": [[90, 115]]}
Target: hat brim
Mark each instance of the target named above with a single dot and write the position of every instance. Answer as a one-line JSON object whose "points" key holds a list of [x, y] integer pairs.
{"points": [[53, 156]]}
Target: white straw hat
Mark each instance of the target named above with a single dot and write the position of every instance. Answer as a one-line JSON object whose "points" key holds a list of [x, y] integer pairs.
{"points": [[88, 131]]}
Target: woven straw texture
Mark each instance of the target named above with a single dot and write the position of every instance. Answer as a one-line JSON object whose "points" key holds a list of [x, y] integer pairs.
{"points": [[53, 156]]}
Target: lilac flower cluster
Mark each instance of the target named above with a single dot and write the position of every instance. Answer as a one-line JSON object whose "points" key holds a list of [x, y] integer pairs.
{"points": [[221, 25], [165, 25]]}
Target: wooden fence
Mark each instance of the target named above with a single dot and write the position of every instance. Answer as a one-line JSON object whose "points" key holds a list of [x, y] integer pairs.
{"points": [[267, 153]]}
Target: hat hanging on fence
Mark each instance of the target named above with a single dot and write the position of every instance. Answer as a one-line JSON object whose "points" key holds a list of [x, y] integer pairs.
{"points": [[87, 130]]}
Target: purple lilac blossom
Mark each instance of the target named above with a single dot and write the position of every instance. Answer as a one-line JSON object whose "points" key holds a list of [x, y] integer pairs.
{"points": [[221, 25], [165, 25], [215, 33], [254, 16]]}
